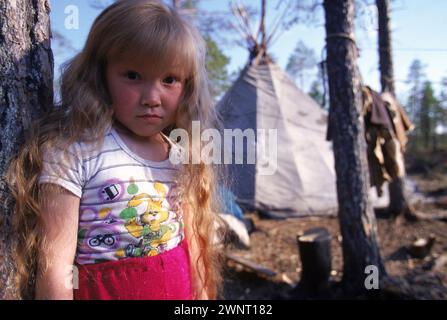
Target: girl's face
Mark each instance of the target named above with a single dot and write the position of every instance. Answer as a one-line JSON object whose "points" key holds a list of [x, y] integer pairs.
{"points": [[144, 100]]}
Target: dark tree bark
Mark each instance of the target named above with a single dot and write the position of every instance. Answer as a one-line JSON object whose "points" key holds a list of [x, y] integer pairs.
{"points": [[357, 221], [398, 203], [385, 48], [26, 90]]}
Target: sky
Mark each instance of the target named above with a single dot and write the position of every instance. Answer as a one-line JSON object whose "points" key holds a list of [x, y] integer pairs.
{"points": [[418, 32]]}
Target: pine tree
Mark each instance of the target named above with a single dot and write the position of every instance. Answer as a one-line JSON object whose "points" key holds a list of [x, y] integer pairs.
{"points": [[318, 88], [26, 92], [216, 63], [398, 203], [357, 220], [316, 94], [302, 59], [415, 78], [428, 116]]}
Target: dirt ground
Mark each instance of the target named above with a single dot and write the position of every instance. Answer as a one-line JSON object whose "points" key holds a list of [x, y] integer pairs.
{"points": [[273, 245]]}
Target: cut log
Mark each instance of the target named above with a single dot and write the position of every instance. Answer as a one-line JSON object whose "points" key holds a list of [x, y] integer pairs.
{"points": [[314, 246]]}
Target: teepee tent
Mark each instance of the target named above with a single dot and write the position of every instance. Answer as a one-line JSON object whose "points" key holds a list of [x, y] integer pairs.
{"points": [[263, 97]]}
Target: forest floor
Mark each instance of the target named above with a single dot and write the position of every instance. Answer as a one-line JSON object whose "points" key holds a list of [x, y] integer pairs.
{"points": [[273, 245]]}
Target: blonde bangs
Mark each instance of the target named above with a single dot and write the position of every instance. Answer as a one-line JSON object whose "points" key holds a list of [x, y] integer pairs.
{"points": [[161, 39]]}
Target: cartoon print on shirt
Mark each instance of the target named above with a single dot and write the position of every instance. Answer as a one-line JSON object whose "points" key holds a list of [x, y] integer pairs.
{"points": [[151, 244], [91, 213], [144, 216], [103, 238], [133, 187], [112, 190]]}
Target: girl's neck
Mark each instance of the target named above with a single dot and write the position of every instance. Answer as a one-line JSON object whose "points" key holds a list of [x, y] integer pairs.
{"points": [[123, 130], [153, 148]]}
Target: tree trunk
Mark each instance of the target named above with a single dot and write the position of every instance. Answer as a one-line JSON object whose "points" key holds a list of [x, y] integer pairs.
{"points": [[434, 142], [385, 49], [398, 203], [357, 221], [26, 91]]}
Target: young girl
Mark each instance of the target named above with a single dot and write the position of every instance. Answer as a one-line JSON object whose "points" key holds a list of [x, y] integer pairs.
{"points": [[95, 187]]}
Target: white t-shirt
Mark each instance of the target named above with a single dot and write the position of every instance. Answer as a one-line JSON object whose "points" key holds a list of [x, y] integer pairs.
{"points": [[128, 205]]}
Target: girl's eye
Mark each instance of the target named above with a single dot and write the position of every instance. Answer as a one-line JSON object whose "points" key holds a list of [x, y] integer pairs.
{"points": [[170, 80], [132, 75]]}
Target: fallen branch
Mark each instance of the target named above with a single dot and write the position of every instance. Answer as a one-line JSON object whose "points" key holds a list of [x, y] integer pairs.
{"points": [[251, 265]]}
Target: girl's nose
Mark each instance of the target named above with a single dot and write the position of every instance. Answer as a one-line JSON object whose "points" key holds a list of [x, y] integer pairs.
{"points": [[150, 96]]}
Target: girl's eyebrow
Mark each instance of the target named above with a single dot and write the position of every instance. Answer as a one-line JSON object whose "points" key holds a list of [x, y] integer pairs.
{"points": [[134, 66]]}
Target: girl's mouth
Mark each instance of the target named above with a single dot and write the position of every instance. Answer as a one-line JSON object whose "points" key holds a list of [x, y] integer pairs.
{"points": [[150, 116]]}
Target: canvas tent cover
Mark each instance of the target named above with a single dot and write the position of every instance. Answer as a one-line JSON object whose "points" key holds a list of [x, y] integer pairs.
{"points": [[264, 97]]}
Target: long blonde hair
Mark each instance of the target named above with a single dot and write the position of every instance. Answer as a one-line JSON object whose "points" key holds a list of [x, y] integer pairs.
{"points": [[153, 31]]}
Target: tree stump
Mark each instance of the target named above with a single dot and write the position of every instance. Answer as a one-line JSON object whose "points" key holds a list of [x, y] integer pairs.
{"points": [[314, 246]]}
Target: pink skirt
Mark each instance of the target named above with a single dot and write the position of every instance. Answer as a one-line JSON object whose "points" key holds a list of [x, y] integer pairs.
{"points": [[165, 276]]}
